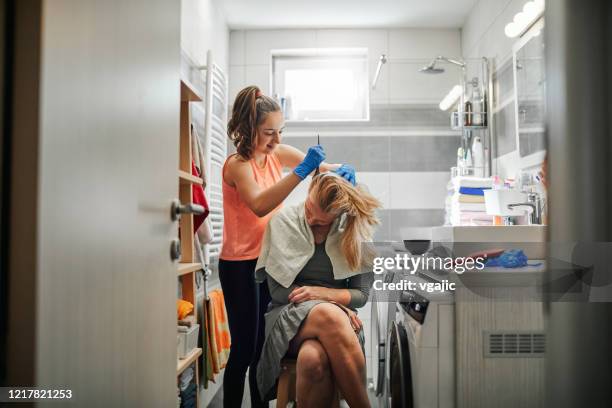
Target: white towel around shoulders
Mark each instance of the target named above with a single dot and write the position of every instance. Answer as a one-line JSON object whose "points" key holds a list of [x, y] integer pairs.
{"points": [[289, 243]]}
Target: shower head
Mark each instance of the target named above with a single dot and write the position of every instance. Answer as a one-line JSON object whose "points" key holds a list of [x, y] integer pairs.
{"points": [[431, 68]]}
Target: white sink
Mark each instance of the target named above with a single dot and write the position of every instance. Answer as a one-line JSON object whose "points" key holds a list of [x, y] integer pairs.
{"points": [[467, 240]]}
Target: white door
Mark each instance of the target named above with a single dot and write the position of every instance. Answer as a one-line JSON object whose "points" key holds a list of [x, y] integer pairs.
{"points": [[108, 160]]}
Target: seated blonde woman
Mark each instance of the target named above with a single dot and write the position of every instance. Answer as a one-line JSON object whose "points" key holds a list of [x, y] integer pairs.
{"points": [[318, 274]]}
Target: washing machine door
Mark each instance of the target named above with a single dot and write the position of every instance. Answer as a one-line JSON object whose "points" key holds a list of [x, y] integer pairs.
{"points": [[400, 376], [378, 334]]}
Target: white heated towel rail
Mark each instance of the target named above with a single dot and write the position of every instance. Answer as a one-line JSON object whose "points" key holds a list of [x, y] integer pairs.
{"points": [[215, 152]]}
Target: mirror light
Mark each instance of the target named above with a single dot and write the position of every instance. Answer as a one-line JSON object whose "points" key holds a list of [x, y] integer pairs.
{"points": [[523, 19]]}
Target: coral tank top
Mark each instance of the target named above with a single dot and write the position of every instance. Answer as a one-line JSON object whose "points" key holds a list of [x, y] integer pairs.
{"points": [[243, 230]]}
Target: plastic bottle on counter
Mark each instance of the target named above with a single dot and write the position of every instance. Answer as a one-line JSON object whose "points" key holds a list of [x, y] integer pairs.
{"points": [[498, 185], [460, 160], [478, 157]]}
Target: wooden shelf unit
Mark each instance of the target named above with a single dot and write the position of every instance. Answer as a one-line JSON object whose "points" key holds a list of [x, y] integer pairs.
{"points": [[181, 365], [188, 178], [187, 266]]}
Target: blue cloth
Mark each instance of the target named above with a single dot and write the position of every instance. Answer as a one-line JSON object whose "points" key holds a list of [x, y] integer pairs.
{"points": [[348, 172], [188, 396], [314, 158], [473, 190], [512, 258]]}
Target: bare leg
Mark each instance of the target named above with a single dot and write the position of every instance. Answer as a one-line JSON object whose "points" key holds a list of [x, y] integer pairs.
{"points": [[328, 324], [314, 382]]}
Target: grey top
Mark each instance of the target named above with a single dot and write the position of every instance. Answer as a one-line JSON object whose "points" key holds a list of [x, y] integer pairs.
{"points": [[318, 271]]}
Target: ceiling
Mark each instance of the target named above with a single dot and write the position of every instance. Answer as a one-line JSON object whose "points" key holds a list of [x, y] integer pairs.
{"points": [[242, 14]]}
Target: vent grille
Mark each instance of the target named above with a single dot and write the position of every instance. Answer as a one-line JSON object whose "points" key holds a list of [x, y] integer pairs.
{"points": [[515, 344]]}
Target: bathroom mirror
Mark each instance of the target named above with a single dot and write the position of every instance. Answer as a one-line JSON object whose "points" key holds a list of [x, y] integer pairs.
{"points": [[529, 84]]}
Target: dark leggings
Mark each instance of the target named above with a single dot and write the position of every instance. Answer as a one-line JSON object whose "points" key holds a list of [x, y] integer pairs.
{"points": [[246, 302]]}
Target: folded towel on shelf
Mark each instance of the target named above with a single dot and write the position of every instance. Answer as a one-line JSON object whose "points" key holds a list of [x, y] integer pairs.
{"points": [[473, 191], [463, 198], [472, 219], [218, 330], [186, 378], [183, 308], [472, 182], [459, 207]]}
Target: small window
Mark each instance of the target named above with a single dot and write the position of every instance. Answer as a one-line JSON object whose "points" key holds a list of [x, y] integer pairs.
{"points": [[322, 84]]}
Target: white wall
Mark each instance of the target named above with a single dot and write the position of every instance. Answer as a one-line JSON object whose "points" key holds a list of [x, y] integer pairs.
{"points": [[204, 27], [483, 35], [400, 82]]}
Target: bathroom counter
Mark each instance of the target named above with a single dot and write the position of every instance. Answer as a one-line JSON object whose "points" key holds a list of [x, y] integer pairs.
{"points": [[534, 279]]}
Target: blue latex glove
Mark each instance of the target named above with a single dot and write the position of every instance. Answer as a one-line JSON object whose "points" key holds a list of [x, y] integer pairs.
{"points": [[348, 172], [314, 158], [512, 258]]}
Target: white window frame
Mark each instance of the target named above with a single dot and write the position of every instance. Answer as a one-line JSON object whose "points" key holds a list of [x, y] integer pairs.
{"points": [[353, 59]]}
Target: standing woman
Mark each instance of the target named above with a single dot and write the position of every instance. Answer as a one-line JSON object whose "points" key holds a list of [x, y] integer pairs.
{"points": [[253, 189]]}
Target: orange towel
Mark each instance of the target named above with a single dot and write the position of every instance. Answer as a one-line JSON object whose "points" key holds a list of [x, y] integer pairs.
{"points": [[183, 308], [218, 330]]}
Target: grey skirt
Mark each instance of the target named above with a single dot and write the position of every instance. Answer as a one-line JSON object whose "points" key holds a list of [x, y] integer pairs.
{"points": [[282, 324]]}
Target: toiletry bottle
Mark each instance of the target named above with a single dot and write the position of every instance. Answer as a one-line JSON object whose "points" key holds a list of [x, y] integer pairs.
{"points": [[485, 109], [476, 104], [469, 161], [478, 157], [460, 161], [498, 185], [468, 113], [288, 108]]}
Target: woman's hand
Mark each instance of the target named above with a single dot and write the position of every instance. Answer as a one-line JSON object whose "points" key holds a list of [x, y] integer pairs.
{"points": [[304, 293], [354, 319], [314, 158], [348, 172]]}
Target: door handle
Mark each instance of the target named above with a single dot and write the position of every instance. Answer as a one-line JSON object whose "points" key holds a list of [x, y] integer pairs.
{"points": [[175, 250], [176, 209]]}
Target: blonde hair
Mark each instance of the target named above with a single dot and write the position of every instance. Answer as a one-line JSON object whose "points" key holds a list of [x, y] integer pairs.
{"points": [[333, 194]]}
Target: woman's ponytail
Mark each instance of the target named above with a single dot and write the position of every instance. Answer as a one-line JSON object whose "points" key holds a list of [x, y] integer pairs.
{"points": [[250, 109]]}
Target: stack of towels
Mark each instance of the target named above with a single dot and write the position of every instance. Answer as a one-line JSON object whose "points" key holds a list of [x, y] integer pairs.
{"points": [[467, 202], [188, 389]]}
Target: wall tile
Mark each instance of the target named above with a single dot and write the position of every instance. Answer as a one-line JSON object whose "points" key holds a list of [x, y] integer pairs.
{"points": [[236, 81], [417, 190], [411, 86], [377, 184], [397, 225], [237, 47], [258, 43], [382, 230], [424, 43], [363, 153], [258, 75], [423, 154], [374, 40]]}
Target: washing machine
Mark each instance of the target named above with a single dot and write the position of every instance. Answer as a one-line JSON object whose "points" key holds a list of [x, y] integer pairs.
{"points": [[382, 315], [420, 350]]}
